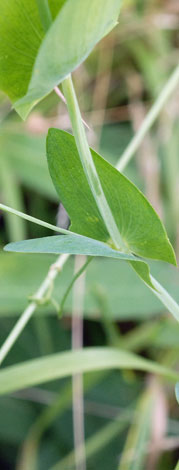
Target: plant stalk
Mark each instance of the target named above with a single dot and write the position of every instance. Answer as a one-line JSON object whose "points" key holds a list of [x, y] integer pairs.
{"points": [[61, 96], [74, 279], [165, 298], [54, 270], [149, 120], [88, 164], [34, 220], [77, 379]]}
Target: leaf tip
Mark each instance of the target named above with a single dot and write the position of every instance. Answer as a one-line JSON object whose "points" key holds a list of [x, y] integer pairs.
{"points": [[7, 247]]}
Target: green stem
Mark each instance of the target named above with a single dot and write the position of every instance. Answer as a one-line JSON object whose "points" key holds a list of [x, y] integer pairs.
{"points": [[110, 328], [77, 275], [88, 164], [149, 120], [165, 298], [53, 272], [34, 220], [44, 13]]}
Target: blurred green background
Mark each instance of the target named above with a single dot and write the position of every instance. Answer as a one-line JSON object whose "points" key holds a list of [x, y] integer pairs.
{"points": [[116, 86]]}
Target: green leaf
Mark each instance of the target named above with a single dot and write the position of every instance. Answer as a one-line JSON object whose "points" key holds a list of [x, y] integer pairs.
{"points": [[65, 364], [143, 272], [33, 62], [21, 34], [139, 225], [73, 244], [78, 245]]}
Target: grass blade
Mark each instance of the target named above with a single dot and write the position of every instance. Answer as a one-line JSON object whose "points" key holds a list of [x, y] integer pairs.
{"points": [[65, 364]]}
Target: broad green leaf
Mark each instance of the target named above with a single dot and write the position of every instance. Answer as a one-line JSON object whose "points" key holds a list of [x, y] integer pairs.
{"points": [[32, 61], [21, 34], [68, 42], [55, 6], [65, 364], [139, 225]]}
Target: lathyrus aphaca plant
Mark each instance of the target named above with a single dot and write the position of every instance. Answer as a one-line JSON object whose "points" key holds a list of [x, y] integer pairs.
{"points": [[41, 43]]}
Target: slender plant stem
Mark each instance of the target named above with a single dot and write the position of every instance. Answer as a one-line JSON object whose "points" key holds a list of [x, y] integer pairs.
{"points": [[54, 270], [34, 220], [77, 379], [61, 96], [165, 298], [75, 277], [44, 13], [149, 120], [88, 164]]}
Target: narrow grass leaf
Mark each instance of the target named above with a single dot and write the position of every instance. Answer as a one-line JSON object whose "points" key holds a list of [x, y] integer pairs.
{"points": [[66, 364]]}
